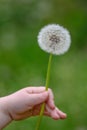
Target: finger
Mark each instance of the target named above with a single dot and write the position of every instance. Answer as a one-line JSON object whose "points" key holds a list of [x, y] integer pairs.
{"points": [[61, 114], [39, 98], [37, 110], [33, 90], [50, 101], [53, 113]]}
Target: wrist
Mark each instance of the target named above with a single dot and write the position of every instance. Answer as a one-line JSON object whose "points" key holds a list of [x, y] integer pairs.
{"points": [[5, 117]]}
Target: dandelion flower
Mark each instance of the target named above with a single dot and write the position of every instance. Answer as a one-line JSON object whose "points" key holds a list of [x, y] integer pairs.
{"points": [[54, 39]]}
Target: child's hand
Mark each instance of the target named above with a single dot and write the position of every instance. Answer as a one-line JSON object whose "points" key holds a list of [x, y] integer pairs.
{"points": [[27, 102]]}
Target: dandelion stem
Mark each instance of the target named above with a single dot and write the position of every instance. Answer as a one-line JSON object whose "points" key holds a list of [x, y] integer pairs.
{"points": [[46, 88], [48, 72]]}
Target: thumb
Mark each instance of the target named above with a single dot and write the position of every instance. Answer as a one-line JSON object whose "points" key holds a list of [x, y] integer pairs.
{"points": [[38, 98]]}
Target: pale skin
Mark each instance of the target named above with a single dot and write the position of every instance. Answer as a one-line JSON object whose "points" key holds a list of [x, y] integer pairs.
{"points": [[26, 103]]}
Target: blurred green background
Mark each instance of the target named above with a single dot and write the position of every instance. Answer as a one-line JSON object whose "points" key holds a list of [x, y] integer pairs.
{"points": [[23, 63]]}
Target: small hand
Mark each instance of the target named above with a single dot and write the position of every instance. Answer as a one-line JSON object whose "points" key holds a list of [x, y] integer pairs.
{"points": [[27, 102]]}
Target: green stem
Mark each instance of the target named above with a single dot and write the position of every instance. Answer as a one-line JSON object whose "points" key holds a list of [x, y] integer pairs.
{"points": [[47, 84], [48, 72]]}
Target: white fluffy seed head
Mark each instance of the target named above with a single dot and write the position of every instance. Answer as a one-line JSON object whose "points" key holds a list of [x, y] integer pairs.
{"points": [[54, 39]]}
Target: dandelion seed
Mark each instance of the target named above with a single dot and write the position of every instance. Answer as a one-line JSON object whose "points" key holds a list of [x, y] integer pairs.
{"points": [[54, 39]]}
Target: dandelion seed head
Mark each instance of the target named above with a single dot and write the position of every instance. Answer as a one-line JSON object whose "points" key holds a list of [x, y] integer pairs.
{"points": [[54, 39]]}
